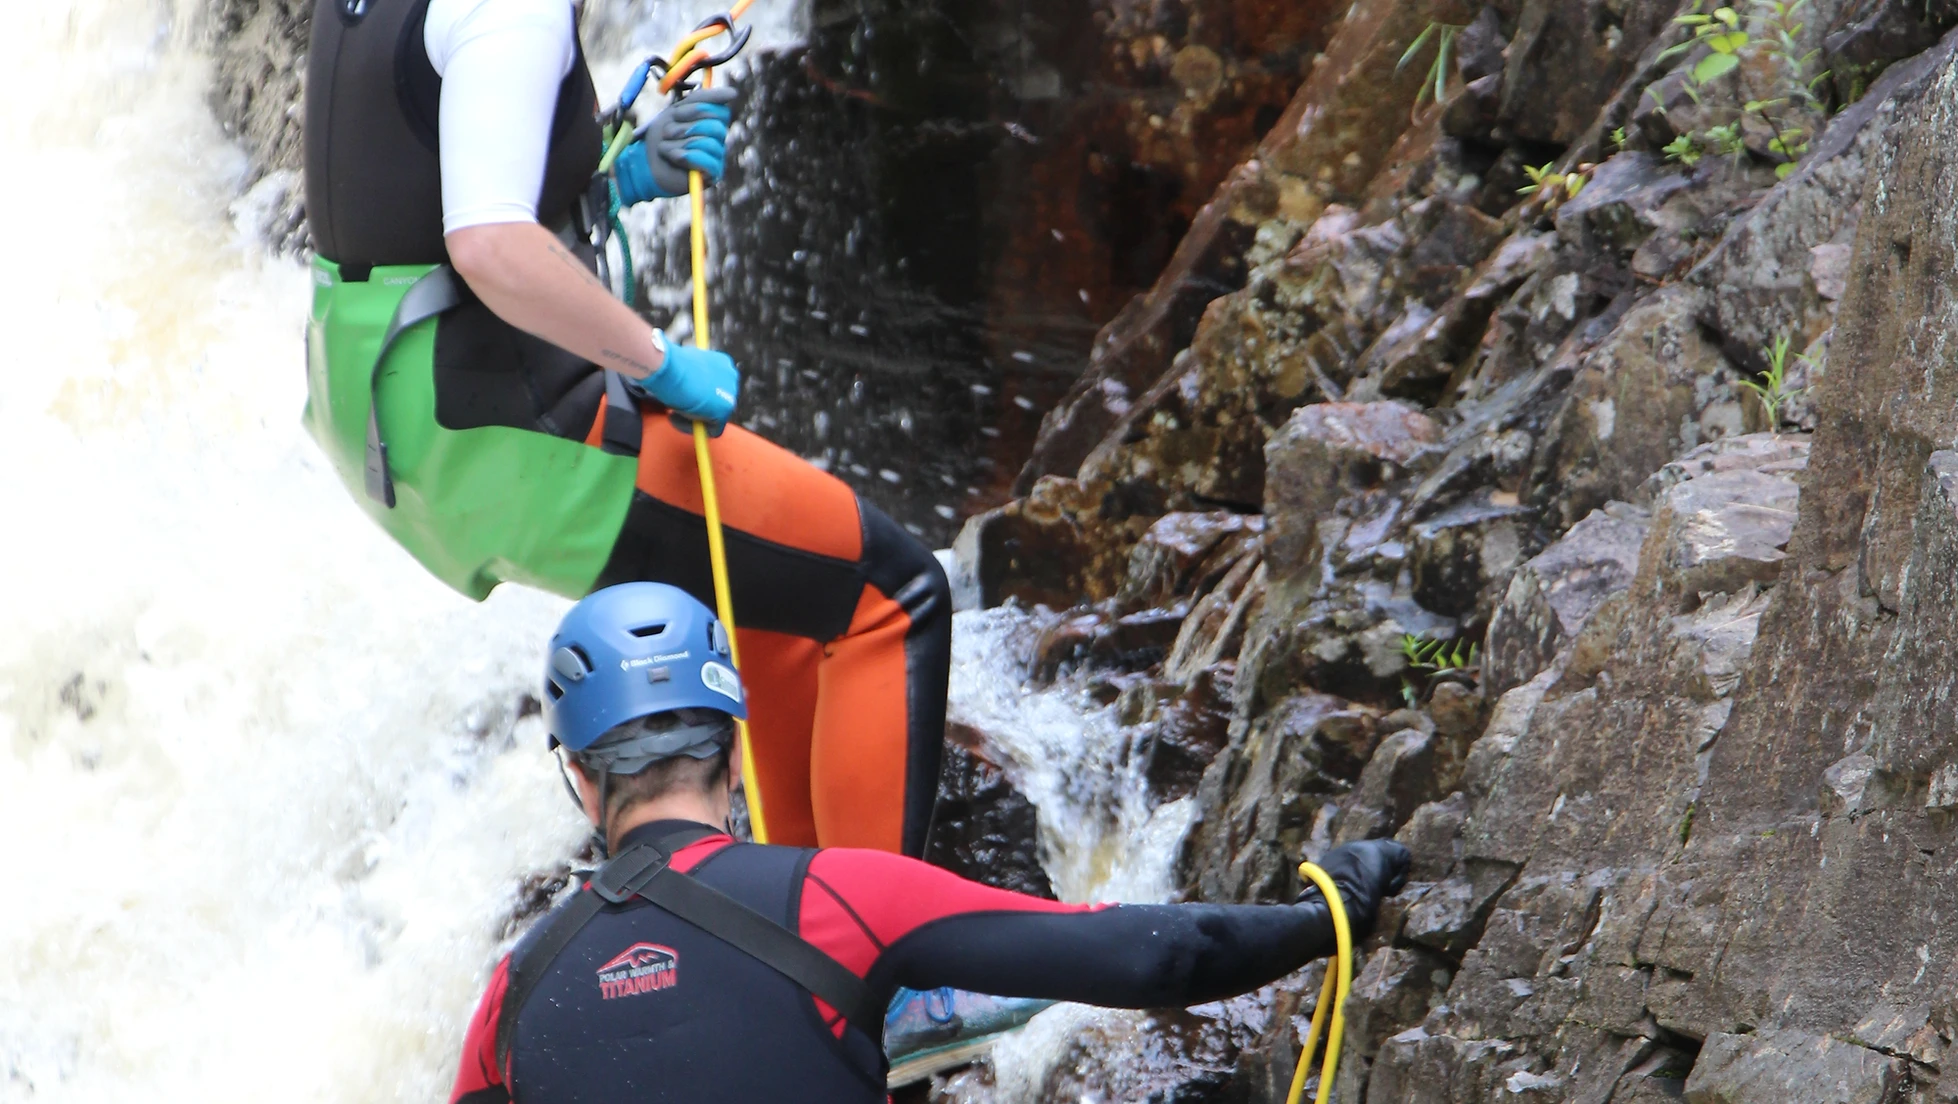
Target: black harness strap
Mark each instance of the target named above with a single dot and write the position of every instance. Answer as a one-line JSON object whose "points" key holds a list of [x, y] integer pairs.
{"points": [[642, 871], [622, 425]]}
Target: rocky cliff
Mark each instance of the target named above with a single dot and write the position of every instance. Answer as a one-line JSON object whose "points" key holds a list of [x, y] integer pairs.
{"points": [[1565, 490]]}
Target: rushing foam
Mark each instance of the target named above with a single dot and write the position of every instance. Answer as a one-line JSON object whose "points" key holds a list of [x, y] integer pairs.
{"points": [[265, 794]]}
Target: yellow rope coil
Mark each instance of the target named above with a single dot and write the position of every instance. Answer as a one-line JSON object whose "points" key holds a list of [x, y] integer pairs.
{"points": [[1332, 995]]}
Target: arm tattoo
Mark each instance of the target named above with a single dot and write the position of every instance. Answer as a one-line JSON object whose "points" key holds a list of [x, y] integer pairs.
{"points": [[623, 361], [567, 257]]}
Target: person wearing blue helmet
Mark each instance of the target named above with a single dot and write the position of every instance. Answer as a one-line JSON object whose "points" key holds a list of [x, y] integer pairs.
{"points": [[640, 674], [693, 968]]}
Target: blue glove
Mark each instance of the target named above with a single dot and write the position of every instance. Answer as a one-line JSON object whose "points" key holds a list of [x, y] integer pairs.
{"points": [[701, 384], [689, 136]]}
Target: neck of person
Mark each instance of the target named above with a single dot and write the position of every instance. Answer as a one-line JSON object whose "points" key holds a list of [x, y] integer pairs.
{"points": [[711, 809]]}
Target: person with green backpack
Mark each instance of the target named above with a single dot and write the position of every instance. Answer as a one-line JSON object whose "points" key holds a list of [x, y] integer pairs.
{"points": [[505, 418]]}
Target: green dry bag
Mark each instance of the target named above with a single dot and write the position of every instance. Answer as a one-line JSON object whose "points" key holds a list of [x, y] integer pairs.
{"points": [[476, 506]]}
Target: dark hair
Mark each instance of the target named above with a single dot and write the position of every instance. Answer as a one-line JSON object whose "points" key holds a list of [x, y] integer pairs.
{"points": [[680, 774]]}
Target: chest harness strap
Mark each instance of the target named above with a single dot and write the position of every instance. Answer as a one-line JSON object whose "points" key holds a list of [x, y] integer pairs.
{"points": [[643, 871]]}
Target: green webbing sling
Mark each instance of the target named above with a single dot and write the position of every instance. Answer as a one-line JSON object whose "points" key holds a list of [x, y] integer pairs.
{"points": [[475, 506]]}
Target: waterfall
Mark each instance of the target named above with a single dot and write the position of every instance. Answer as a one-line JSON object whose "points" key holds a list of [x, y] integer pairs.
{"points": [[270, 792]]}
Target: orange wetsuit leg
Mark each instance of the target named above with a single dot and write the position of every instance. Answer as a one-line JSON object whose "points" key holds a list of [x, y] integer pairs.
{"points": [[845, 632]]}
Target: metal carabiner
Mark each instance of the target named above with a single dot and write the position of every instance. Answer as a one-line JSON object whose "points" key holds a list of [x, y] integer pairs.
{"points": [[693, 61]]}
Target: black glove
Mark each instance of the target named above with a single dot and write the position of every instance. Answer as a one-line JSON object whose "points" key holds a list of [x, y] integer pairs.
{"points": [[1366, 873]]}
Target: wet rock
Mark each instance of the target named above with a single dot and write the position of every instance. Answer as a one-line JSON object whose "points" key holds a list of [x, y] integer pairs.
{"points": [[1097, 637], [1720, 532], [1654, 388], [1582, 48], [1879, 33], [1325, 452], [1398, 779], [1326, 146], [1770, 453], [1758, 275], [1165, 1055], [984, 829], [1185, 554], [1261, 796], [1459, 554], [1434, 835], [1394, 991], [1418, 1068], [1050, 548], [1347, 638], [1552, 595], [1431, 353], [1450, 917], [1188, 734], [1217, 622], [258, 71], [1620, 207], [1776, 1065]]}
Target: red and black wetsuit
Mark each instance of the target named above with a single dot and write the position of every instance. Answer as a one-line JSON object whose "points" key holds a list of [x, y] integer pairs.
{"points": [[642, 1006]]}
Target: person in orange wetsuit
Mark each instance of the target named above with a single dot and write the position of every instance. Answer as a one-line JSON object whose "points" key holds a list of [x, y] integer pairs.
{"points": [[452, 172], [843, 617]]}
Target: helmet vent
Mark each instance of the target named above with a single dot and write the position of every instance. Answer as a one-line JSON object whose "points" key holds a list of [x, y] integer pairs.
{"points": [[556, 691], [655, 629]]}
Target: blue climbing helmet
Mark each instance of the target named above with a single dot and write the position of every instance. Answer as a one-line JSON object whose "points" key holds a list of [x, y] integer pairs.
{"points": [[633, 651]]}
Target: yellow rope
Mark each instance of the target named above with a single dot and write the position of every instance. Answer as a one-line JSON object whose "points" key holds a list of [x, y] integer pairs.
{"points": [[710, 499], [1332, 995]]}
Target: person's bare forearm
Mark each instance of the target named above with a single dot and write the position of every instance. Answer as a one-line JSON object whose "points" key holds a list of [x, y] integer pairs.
{"points": [[524, 274]]}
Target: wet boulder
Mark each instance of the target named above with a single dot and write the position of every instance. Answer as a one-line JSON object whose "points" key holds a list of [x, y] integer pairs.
{"points": [[1394, 991], [1186, 554], [1215, 627], [1719, 533], [1265, 791], [1553, 594], [1582, 49], [1188, 734], [1775, 1065], [984, 828], [1097, 636], [1054, 547], [1326, 452], [1397, 780], [1459, 554], [1621, 205], [1655, 387]]}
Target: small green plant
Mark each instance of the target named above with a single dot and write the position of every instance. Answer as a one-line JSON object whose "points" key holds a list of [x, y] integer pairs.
{"points": [[1554, 187], [1424, 654], [1444, 35], [1720, 32], [1685, 150], [1789, 117], [1437, 659], [1618, 139], [1723, 140], [1772, 386]]}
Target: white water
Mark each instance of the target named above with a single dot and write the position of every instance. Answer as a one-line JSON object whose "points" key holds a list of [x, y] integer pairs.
{"points": [[264, 797]]}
